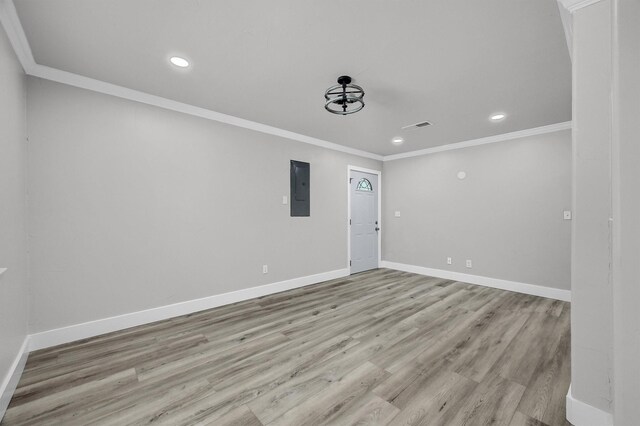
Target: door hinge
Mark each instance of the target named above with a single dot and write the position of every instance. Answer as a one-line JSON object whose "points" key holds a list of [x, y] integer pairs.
{"points": [[349, 221], [349, 263]]}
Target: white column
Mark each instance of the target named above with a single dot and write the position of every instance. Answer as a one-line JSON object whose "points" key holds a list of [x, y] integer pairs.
{"points": [[626, 211]]}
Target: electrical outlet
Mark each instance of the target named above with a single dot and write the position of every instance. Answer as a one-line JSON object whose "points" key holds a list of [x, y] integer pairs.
{"points": [[469, 264], [448, 261], [265, 269], [397, 214], [284, 199]]}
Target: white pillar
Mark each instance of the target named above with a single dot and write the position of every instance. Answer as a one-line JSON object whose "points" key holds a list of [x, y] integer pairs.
{"points": [[626, 211]]}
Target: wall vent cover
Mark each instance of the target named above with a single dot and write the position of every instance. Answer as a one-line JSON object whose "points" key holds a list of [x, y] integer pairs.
{"points": [[420, 124]]}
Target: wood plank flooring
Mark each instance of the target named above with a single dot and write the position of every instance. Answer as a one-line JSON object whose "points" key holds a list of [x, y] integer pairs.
{"points": [[379, 348]]}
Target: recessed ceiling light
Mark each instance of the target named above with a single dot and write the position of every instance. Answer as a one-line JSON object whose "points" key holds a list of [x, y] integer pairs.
{"points": [[497, 117], [397, 140], [179, 62]]}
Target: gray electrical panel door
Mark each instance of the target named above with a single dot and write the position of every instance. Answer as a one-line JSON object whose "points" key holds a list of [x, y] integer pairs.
{"points": [[300, 188]]}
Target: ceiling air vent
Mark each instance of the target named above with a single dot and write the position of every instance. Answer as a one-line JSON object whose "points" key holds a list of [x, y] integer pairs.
{"points": [[420, 124]]}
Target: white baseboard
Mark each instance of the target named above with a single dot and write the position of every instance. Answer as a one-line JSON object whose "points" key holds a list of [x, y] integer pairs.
{"points": [[10, 382], [71, 333], [535, 290], [582, 414]]}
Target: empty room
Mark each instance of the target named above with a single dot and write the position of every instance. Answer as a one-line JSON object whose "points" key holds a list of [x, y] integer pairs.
{"points": [[338, 212]]}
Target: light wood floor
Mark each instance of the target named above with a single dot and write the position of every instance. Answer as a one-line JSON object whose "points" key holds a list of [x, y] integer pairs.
{"points": [[381, 347]]}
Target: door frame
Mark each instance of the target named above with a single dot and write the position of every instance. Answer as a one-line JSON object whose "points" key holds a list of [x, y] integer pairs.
{"points": [[351, 168]]}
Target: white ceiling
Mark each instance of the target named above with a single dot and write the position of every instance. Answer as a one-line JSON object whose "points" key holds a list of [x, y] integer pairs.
{"points": [[451, 62]]}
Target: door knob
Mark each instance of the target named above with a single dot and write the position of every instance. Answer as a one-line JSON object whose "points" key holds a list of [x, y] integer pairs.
{"points": [[377, 229]]}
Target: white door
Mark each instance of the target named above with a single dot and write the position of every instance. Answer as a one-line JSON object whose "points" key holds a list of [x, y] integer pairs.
{"points": [[364, 227]]}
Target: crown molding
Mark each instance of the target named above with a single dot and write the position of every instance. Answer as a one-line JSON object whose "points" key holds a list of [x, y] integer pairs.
{"points": [[11, 22], [12, 25], [483, 141], [15, 32], [567, 25], [573, 5], [83, 82]]}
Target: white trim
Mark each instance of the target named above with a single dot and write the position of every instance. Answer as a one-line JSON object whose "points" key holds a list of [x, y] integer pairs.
{"points": [[11, 22], [573, 5], [364, 170], [567, 24], [533, 289], [378, 173], [13, 27], [75, 332], [483, 141], [146, 98], [582, 414], [10, 381], [18, 39]]}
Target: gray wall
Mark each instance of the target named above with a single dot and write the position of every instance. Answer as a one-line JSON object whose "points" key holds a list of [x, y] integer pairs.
{"points": [[506, 216], [13, 134], [134, 207], [591, 291], [626, 214]]}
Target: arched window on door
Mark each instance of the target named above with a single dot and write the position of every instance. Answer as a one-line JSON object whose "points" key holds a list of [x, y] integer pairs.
{"points": [[364, 185]]}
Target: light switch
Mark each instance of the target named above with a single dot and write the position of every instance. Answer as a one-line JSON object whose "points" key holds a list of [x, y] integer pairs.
{"points": [[284, 199], [397, 214], [567, 215]]}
